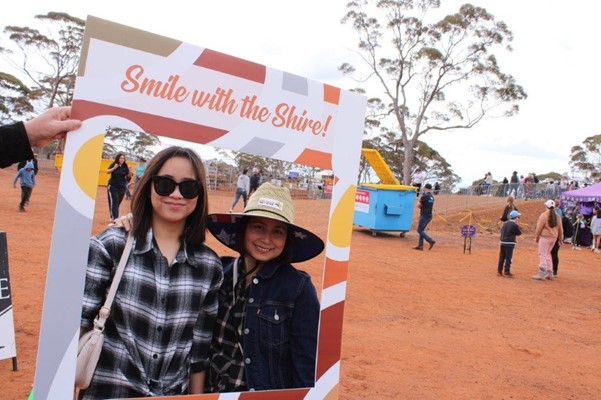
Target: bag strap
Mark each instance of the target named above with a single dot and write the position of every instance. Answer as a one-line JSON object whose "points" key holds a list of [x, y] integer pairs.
{"points": [[105, 310]]}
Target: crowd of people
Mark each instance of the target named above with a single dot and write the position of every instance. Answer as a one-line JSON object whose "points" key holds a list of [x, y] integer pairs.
{"points": [[525, 187], [575, 224]]}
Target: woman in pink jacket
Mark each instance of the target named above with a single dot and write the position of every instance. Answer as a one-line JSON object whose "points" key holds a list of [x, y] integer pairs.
{"points": [[548, 231]]}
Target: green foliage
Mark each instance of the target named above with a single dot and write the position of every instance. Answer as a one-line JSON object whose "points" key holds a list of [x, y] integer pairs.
{"points": [[552, 176], [586, 159], [13, 98], [46, 62], [45, 67], [426, 159], [271, 167], [133, 144], [434, 75]]}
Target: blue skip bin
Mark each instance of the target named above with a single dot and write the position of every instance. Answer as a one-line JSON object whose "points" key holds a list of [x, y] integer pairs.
{"points": [[384, 207]]}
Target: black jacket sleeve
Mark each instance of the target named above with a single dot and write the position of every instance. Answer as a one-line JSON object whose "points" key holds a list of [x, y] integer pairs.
{"points": [[14, 144]]}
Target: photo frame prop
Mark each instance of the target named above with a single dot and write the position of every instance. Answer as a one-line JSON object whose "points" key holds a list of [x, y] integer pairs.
{"points": [[137, 80]]}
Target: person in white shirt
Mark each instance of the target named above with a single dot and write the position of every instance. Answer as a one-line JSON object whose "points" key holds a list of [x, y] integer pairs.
{"points": [[416, 181], [242, 189], [487, 183]]}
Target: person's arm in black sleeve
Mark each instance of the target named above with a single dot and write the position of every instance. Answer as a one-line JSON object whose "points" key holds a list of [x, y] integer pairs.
{"points": [[16, 139], [14, 144]]}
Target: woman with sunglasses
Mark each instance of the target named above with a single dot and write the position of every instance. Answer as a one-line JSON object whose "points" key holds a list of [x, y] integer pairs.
{"points": [[158, 334]]}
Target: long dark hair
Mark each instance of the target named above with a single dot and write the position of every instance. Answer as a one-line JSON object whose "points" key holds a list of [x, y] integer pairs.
{"points": [[141, 207], [116, 160], [552, 217]]}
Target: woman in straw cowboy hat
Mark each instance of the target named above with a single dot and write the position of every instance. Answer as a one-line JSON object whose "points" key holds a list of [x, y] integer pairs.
{"points": [[266, 331]]}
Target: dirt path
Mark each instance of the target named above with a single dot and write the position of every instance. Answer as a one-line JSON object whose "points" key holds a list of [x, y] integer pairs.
{"points": [[435, 324]]}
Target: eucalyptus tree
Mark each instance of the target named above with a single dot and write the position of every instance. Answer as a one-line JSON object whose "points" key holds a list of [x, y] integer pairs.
{"points": [[43, 63], [585, 159], [132, 143], [425, 158], [433, 75]]}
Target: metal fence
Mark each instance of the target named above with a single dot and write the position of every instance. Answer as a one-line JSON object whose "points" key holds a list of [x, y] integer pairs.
{"points": [[517, 190]]}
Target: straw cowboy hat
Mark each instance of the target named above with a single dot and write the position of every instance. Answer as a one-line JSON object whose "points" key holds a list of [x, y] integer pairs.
{"points": [[272, 202]]}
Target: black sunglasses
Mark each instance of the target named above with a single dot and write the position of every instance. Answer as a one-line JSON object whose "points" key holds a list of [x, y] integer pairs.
{"points": [[164, 186]]}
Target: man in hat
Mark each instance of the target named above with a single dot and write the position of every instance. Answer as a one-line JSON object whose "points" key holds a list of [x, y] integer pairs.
{"points": [[425, 205]]}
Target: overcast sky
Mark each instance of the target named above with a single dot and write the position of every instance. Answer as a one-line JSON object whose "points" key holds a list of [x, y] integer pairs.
{"points": [[556, 59]]}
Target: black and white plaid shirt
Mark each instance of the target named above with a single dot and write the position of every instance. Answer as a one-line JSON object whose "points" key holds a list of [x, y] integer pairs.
{"points": [[161, 321], [226, 370]]}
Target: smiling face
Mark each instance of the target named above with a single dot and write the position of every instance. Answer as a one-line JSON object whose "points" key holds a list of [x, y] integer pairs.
{"points": [[173, 208], [265, 238]]}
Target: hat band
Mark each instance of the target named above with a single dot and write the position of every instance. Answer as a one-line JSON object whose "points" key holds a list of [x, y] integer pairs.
{"points": [[247, 213]]}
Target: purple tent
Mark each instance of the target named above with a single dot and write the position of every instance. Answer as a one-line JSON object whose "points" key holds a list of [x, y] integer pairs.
{"points": [[586, 194]]}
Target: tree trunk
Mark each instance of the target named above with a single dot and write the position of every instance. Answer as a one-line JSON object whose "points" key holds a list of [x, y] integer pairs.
{"points": [[408, 161]]}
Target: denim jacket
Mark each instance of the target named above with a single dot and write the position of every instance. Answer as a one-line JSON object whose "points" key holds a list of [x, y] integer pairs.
{"points": [[280, 327]]}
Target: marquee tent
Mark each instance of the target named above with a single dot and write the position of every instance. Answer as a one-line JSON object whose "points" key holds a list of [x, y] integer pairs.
{"points": [[586, 194]]}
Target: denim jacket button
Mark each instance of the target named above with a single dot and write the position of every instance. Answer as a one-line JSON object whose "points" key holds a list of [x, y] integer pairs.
{"points": [[247, 361], [251, 300], [255, 281], [246, 330]]}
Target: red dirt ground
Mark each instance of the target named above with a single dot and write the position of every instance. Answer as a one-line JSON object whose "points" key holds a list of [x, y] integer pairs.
{"points": [[435, 324]]}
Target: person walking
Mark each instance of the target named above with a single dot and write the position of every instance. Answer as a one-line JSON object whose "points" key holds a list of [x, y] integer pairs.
{"points": [[255, 182], [509, 231], [21, 164], [242, 189], [425, 205], [117, 184], [265, 336], [549, 230], [158, 335], [27, 177], [565, 225]]}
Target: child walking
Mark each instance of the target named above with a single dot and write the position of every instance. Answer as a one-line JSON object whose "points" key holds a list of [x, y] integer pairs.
{"points": [[27, 177], [509, 231]]}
